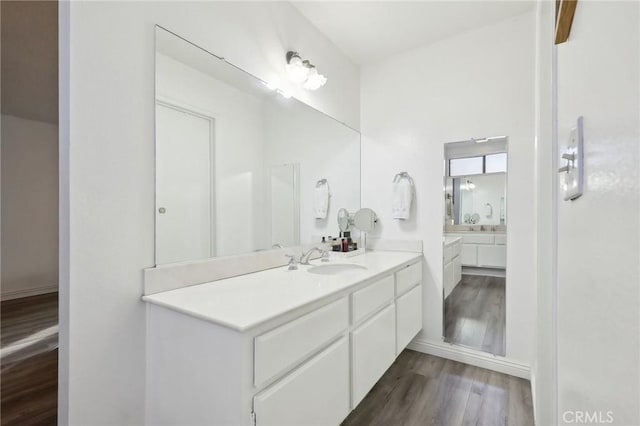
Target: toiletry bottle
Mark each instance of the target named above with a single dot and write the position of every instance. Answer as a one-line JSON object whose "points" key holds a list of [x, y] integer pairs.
{"points": [[344, 245], [335, 245]]}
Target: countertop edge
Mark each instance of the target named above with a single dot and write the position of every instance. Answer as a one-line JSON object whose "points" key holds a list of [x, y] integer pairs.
{"points": [[247, 327]]}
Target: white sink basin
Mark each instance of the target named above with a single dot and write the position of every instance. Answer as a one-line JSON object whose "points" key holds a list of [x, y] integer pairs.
{"points": [[335, 269]]}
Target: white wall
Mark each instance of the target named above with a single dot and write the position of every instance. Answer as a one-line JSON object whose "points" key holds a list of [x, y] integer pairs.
{"points": [[477, 84], [29, 207], [107, 171], [598, 72]]}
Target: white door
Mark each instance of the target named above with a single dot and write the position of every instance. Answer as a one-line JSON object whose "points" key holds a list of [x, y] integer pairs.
{"points": [[183, 185]]}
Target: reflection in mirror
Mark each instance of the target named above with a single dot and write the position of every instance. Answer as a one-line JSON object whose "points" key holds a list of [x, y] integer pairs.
{"points": [[365, 220], [476, 199], [237, 163], [474, 247], [343, 219]]}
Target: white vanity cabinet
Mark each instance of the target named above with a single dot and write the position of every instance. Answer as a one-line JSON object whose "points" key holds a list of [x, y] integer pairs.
{"points": [[483, 250], [453, 253], [317, 393], [309, 366]]}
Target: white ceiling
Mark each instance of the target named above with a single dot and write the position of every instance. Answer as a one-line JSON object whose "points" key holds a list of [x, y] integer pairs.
{"points": [[367, 31]]}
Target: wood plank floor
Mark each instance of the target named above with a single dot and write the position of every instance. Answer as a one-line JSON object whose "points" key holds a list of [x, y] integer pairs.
{"points": [[421, 390], [474, 314], [29, 367]]}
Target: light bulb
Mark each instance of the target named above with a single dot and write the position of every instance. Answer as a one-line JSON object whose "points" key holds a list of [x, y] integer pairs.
{"points": [[296, 70], [314, 80]]}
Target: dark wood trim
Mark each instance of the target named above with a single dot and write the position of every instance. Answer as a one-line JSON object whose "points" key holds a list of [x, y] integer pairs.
{"points": [[565, 9]]}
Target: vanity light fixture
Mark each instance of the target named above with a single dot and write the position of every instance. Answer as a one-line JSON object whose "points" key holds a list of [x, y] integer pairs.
{"points": [[468, 185], [314, 79], [491, 139], [297, 70], [303, 71]]}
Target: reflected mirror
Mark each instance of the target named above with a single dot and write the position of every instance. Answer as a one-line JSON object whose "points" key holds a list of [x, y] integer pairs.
{"points": [[475, 244], [239, 167]]}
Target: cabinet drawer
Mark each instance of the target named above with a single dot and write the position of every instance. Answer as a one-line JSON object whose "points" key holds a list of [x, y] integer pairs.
{"points": [[477, 239], [372, 297], [317, 393], [447, 277], [495, 256], [408, 277], [373, 351], [408, 317], [501, 240], [282, 348], [457, 248], [469, 255], [457, 271], [448, 253]]}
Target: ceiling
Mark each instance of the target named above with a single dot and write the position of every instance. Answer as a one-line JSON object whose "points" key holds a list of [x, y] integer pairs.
{"points": [[30, 59], [367, 31]]}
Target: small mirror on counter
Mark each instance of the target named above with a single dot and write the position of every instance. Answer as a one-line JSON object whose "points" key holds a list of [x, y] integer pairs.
{"points": [[238, 163], [475, 244], [365, 220], [343, 219]]}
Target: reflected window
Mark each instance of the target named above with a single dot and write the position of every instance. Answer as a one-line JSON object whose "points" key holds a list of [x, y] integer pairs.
{"points": [[466, 166], [495, 163]]}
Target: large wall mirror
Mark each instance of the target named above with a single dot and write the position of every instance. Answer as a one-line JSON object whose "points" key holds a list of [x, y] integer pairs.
{"points": [[241, 168], [475, 244]]}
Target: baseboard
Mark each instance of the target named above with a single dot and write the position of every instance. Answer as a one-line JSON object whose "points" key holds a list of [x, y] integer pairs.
{"points": [[487, 272], [472, 357], [17, 294], [533, 395]]}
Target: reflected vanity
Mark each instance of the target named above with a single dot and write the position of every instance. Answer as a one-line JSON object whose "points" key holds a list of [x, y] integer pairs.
{"points": [[474, 245], [237, 163]]}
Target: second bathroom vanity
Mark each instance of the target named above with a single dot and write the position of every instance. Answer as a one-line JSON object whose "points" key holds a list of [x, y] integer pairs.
{"points": [[280, 347]]}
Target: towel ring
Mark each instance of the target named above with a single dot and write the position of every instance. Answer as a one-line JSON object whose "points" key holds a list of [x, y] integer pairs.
{"points": [[324, 182], [403, 175]]}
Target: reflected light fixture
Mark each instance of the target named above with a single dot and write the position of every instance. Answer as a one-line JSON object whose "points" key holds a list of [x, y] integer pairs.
{"points": [[314, 79], [297, 70], [468, 185], [303, 71]]}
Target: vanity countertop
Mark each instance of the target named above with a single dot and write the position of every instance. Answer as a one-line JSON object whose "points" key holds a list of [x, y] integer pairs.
{"points": [[448, 240], [246, 301]]}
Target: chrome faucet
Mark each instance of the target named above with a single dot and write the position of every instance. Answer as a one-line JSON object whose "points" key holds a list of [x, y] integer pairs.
{"points": [[304, 259], [293, 262]]}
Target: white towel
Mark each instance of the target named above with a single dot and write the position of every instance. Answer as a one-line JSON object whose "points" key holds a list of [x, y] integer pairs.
{"points": [[488, 210], [321, 201], [402, 198]]}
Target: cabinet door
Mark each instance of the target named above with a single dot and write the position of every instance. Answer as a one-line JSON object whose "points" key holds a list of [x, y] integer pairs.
{"points": [[373, 351], [495, 256], [469, 255], [317, 393], [448, 278], [457, 271], [408, 318]]}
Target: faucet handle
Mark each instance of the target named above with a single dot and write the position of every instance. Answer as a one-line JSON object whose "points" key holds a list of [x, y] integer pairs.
{"points": [[293, 262], [325, 255]]}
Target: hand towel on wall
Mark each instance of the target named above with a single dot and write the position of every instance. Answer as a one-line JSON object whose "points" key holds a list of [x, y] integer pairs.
{"points": [[321, 201], [402, 198]]}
